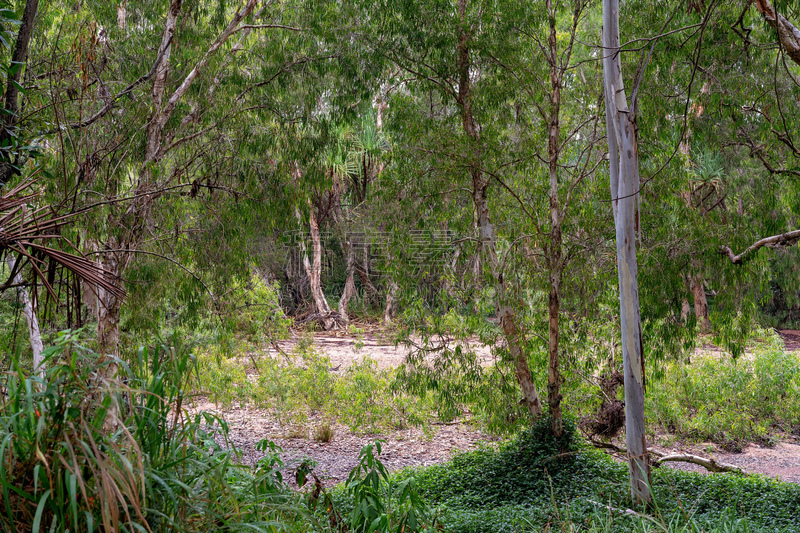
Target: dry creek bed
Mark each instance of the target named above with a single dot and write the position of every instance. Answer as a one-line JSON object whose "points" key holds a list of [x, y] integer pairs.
{"points": [[411, 447]]}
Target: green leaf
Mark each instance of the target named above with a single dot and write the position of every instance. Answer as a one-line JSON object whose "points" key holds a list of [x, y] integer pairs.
{"points": [[37, 519]]}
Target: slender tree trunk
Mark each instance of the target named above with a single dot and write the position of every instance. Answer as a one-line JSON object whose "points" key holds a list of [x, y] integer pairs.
{"points": [[34, 333], [530, 397], [624, 178], [389, 310], [700, 303], [480, 187], [122, 14], [314, 271], [349, 284], [109, 307], [18, 57]]}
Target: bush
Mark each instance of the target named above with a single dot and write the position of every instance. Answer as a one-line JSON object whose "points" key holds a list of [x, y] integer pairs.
{"points": [[361, 396], [380, 504]]}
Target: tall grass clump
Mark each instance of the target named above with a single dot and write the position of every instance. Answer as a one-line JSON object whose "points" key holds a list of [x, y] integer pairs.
{"points": [[98, 445]]}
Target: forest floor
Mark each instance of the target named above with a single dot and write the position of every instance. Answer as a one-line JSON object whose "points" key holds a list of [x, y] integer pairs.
{"points": [[412, 447]]}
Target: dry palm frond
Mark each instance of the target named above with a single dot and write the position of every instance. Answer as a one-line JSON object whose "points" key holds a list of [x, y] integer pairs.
{"points": [[25, 232]]}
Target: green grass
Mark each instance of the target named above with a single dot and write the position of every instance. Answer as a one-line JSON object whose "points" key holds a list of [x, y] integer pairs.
{"points": [[94, 448]]}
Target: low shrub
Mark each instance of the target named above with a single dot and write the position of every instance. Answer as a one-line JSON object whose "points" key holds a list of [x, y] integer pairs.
{"points": [[362, 397]]}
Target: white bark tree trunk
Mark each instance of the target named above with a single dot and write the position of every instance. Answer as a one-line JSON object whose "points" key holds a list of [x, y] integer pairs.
{"points": [[389, 310], [34, 333], [122, 14], [314, 272], [624, 174]]}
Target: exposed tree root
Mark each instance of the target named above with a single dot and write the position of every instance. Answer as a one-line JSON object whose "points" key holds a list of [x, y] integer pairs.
{"points": [[328, 321], [609, 419]]}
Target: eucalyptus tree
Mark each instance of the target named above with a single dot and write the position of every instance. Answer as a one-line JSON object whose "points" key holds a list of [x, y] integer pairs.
{"points": [[715, 94], [623, 160], [718, 88], [435, 47]]}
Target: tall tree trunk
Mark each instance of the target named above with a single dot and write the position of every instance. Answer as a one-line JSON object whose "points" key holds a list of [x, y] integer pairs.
{"points": [[554, 256], [122, 14], [314, 271], [19, 57], [31, 320], [480, 187], [109, 307], [389, 310], [685, 309], [530, 397], [624, 178]]}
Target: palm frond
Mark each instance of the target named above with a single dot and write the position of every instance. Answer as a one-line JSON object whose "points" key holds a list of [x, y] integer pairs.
{"points": [[29, 232]]}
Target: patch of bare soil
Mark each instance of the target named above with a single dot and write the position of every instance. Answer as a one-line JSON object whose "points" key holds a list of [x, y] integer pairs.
{"points": [[344, 349], [335, 459], [791, 339]]}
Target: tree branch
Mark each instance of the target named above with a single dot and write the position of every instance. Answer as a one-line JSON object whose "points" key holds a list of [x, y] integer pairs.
{"points": [[785, 239], [788, 34], [712, 465]]}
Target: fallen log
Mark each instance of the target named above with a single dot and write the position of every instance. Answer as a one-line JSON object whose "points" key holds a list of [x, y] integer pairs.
{"points": [[712, 465]]}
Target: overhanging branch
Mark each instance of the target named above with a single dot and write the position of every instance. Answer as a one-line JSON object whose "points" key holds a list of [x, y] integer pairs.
{"points": [[776, 241]]}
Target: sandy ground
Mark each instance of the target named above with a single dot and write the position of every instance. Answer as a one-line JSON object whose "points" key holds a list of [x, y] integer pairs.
{"points": [[343, 349], [410, 447]]}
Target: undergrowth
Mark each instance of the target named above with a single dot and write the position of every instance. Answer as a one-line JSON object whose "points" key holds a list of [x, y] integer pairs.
{"points": [[360, 396], [538, 483], [727, 400], [98, 445]]}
